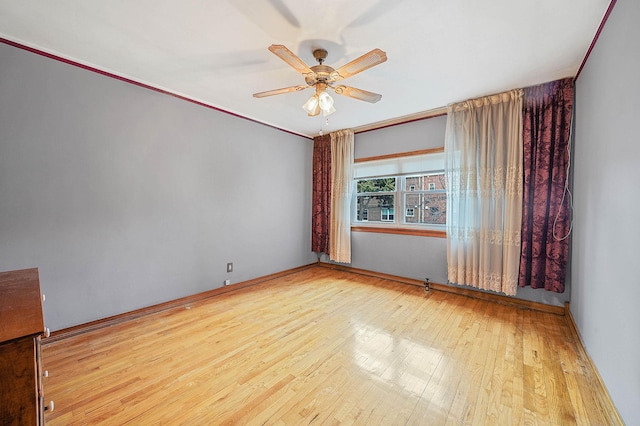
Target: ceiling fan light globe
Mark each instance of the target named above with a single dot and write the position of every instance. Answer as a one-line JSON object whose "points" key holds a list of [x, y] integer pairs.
{"points": [[325, 100], [315, 112], [311, 105], [328, 111]]}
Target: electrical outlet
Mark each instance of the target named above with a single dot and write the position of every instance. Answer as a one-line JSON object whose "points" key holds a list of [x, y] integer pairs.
{"points": [[227, 282], [229, 267]]}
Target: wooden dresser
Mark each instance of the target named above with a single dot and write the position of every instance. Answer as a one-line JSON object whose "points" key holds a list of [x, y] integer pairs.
{"points": [[21, 328]]}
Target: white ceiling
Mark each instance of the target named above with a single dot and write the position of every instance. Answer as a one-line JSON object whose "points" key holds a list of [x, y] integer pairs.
{"points": [[215, 51]]}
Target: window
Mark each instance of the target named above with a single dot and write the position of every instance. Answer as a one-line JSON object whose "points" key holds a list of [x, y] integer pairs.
{"points": [[387, 215], [363, 216], [376, 196], [413, 184]]}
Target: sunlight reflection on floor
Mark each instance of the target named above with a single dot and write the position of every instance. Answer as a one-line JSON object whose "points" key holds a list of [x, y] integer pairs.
{"points": [[399, 362]]}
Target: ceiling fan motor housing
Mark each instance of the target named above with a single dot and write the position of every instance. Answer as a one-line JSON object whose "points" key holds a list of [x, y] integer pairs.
{"points": [[320, 55], [322, 74]]}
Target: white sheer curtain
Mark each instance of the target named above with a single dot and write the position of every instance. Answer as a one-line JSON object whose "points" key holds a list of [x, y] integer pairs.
{"points": [[483, 167], [341, 190]]}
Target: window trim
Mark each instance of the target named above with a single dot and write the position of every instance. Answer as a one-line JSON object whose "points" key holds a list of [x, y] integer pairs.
{"points": [[400, 154], [400, 231]]}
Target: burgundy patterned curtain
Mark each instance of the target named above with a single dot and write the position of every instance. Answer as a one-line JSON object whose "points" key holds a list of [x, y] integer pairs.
{"points": [[321, 203], [546, 214]]}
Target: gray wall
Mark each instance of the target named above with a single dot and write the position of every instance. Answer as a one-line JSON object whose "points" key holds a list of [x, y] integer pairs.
{"points": [[413, 256], [606, 291], [124, 197], [403, 255]]}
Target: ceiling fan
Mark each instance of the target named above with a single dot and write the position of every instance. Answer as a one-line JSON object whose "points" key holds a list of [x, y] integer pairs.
{"points": [[323, 76]]}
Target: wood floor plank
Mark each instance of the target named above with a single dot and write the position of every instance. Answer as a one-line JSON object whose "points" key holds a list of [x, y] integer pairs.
{"points": [[323, 346]]}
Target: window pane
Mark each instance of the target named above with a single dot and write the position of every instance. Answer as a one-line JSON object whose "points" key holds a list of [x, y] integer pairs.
{"points": [[428, 208], [377, 185], [375, 208], [425, 182]]}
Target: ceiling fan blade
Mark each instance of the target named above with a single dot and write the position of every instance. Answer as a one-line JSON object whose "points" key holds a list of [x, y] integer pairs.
{"points": [[280, 91], [290, 58], [366, 61], [359, 94]]}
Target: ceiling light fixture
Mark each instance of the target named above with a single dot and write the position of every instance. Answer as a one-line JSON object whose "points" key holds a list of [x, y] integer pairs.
{"points": [[320, 101]]}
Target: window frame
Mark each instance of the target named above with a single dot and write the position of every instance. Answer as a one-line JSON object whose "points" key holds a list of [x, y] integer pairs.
{"points": [[399, 224]]}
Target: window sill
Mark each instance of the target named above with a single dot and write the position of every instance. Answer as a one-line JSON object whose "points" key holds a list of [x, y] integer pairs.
{"points": [[401, 231]]}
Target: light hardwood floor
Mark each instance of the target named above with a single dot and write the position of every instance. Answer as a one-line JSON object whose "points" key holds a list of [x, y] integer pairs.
{"points": [[327, 347]]}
